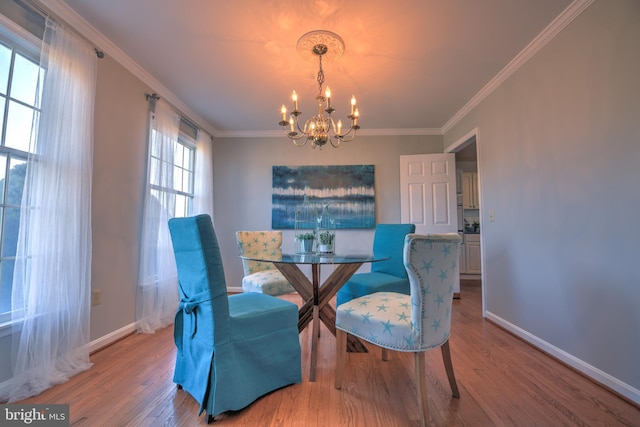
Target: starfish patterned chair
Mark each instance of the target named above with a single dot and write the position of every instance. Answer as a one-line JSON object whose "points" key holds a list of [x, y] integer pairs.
{"points": [[259, 276], [408, 323]]}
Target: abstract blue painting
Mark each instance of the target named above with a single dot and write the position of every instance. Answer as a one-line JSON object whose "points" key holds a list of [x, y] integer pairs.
{"points": [[348, 190]]}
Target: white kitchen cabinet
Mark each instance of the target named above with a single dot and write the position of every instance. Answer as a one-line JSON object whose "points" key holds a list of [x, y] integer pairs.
{"points": [[470, 190], [462, 264], [472, 264]]}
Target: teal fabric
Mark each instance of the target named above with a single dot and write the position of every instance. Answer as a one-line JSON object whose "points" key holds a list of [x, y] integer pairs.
{"points": [[389, 275], [231, 350], [415, 322]]}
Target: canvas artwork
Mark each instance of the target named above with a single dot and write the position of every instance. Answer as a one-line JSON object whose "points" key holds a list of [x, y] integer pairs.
{"points": [[347, 190]]}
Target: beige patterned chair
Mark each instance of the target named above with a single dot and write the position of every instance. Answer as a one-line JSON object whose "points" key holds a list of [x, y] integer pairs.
{"points": [[262, 277]]}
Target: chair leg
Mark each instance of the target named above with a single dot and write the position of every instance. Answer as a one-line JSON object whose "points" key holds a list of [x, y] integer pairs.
{"points": [[315, 334], [341, 352], [421, 387], [448, 366], [385, 353]]}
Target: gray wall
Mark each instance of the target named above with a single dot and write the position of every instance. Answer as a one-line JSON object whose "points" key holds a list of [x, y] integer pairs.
{"points": [[242, 184], [119, 158], [559, 163]]}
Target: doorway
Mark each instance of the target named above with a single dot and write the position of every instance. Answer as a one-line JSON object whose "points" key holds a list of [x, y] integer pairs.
{"points": [[467, 168]]}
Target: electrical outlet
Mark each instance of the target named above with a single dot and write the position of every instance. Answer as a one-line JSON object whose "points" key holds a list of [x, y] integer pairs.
{"points": [[96, 297]]}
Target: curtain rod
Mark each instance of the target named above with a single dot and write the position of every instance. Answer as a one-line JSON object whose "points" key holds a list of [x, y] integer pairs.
{"points": [[154, 96], [34, 6]]}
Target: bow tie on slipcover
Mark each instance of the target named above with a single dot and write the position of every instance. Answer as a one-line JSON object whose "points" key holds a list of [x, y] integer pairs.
{"points": [[188, 306]]}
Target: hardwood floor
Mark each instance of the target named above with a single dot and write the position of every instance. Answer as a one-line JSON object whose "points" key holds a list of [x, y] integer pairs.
{"points": [[502, 380]]}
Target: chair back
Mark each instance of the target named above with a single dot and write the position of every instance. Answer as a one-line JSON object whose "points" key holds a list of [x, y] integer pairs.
{"points": [[432, 265], [257, 243], [201, 281], [388, 241]]}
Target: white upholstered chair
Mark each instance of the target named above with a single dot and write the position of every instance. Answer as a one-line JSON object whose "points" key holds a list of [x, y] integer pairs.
{"points": [[408, 323], [260, 276]]}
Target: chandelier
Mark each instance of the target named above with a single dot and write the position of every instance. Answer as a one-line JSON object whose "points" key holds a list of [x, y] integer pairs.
{"points": [[320, 128]]}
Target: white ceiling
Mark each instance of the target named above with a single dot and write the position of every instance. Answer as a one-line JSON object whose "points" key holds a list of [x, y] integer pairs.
{"points": [[412, 64]]}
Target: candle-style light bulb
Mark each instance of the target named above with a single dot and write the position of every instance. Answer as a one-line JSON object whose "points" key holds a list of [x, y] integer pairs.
{"points": [[339, 127], [327, 93], [356, 114], [353, 103], [283, 110], [291, 123], [294, 97]]}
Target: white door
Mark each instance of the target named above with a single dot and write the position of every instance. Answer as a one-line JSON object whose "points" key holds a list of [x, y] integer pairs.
{"points": [[428, 194]]}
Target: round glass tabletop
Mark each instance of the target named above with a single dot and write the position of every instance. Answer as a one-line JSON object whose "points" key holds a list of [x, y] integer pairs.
{"points": [[313, 258]]}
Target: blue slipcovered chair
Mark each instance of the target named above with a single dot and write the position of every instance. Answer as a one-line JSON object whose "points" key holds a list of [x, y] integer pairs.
{"points": [[231, 349], [410, 323], [389, 275]]}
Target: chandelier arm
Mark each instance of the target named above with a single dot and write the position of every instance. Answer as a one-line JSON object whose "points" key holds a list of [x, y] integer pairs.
{"points": [[295, 136], [342, 135], [346, 134]]}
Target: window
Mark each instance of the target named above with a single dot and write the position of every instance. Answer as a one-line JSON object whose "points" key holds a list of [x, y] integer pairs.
{"points": [[19, 79], [182, 170]]}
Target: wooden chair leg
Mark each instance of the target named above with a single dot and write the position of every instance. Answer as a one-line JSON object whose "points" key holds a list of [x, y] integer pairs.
{"points": [[448, 366], [421, 387], [385, 353], [341, 353]]}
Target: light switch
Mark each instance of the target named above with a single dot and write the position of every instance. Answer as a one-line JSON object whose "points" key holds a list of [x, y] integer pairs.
{"points": [[492, 215]]}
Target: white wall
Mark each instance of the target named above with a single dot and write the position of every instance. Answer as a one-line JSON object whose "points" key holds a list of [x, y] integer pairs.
{"points": [[559, 161], [242, 185]]}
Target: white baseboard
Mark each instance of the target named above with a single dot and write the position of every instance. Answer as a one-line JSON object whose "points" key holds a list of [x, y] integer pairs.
{"points": [[234, 289], [112, 337], [592, 372]]}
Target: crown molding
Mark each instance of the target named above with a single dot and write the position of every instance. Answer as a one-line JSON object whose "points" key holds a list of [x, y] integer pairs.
{"points": [[400, 132], [561, 21], [361, 132], [60, 9]]}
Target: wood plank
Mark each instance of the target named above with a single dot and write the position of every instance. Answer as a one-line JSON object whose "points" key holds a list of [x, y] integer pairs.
{"points": [[502, 381]]}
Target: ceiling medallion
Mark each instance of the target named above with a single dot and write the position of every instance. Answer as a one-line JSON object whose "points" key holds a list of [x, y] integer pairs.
{"points": [[319, 129]]}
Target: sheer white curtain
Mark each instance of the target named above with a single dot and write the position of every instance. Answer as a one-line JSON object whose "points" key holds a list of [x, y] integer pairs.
{"points": [[157, 299], [52, 276], [203, 185]]}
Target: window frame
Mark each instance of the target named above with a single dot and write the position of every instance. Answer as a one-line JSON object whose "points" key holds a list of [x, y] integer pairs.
{"points": [[21, 42], [187, 143]]}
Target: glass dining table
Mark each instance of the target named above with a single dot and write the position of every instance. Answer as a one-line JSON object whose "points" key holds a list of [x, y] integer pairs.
{"points": [[315, 295]]}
